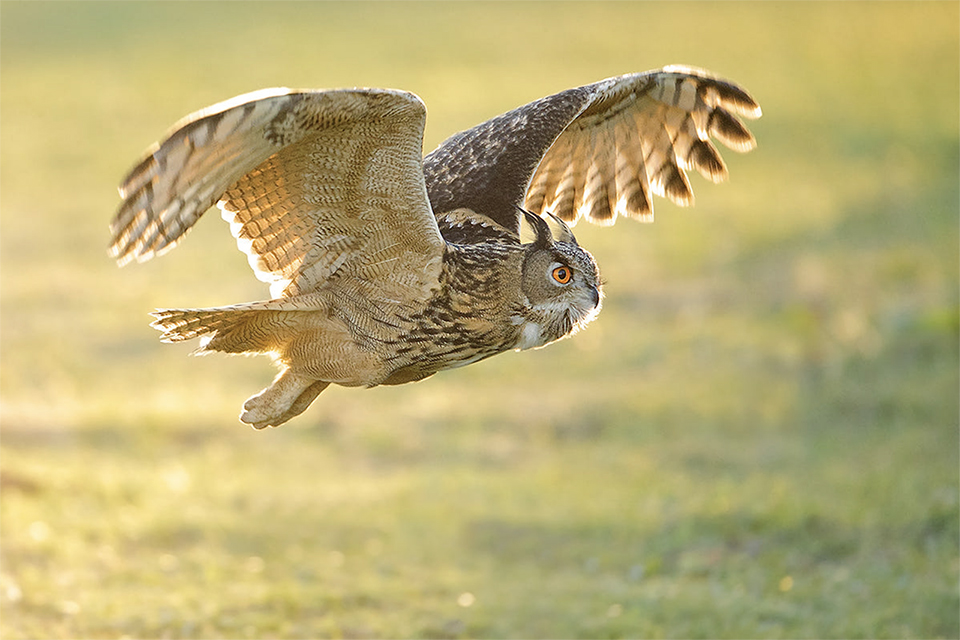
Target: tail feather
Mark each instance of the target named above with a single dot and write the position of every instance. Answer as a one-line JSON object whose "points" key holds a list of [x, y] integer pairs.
{"points": [[228, 329], [179, 325]]}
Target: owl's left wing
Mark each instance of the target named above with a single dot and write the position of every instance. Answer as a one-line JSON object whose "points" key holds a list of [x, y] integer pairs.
{"points": [[596, 151], [315, 184]]}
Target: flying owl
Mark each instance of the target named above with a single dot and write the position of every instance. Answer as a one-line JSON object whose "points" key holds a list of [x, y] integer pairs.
{"points": [[386, 266]]}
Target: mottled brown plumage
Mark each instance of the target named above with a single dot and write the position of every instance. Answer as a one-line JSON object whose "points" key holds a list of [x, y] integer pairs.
{"points": [[386, 267]]}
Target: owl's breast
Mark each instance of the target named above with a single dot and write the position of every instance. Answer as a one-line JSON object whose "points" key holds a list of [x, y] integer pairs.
{"points": [[470, 316], [444, 340]]}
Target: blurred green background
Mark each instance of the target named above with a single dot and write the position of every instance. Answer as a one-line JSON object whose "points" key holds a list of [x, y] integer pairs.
{"points": [[758, 437]]}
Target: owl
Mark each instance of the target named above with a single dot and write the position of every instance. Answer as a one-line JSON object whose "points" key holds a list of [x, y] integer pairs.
{"points": [[386, 266]]}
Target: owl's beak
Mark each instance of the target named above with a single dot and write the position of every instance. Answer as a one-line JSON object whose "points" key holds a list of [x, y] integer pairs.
{"points": [[595, 296]]}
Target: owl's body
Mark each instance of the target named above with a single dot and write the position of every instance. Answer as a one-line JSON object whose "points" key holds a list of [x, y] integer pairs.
{"points": [[386, 267]]}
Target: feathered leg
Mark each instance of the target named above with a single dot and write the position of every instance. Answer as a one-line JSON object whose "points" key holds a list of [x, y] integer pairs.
{"points": [[288, 396]]}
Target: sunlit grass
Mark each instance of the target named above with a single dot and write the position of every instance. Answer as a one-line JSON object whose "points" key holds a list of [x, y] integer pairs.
{"points": [[758, 437]]}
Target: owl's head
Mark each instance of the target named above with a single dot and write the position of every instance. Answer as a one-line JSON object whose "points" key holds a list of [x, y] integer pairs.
{"points": [[560, 279]]}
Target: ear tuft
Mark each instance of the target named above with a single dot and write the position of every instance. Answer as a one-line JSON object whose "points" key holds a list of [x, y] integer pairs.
{"points": [[534, 230], [559, 229]]}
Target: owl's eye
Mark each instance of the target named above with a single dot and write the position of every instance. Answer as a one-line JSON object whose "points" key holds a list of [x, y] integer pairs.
{"points": [[562, 274]]}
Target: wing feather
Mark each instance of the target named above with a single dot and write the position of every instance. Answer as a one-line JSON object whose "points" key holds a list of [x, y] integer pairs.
{"points": [[597, 152], [313, 184], [659, 124]]}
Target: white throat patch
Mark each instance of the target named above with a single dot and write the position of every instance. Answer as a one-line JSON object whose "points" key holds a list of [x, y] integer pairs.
{"points": [[531, 336]]}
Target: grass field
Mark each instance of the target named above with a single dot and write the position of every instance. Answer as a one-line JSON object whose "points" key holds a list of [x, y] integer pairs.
{"points": [[757, 439]]}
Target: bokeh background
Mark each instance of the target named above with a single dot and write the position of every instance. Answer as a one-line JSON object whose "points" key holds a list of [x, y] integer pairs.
{"points": [[758, 437]]}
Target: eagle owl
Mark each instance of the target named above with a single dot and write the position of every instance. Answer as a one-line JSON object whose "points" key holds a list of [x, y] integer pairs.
{"points": [[386, 266]]}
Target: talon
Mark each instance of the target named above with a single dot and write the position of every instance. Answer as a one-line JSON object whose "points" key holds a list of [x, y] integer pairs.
{"points": [[255, 413], [249, 418], [287, 397]]}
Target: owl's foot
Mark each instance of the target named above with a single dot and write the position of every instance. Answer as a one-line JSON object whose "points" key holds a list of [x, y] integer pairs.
{"points": [[287, 397]]}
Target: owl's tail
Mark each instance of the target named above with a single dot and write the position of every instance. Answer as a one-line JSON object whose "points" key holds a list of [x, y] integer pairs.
{"points": [[235, 329]]}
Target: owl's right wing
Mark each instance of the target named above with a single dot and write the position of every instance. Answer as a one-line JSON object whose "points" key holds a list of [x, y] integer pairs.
{"points": [[315, 184]]}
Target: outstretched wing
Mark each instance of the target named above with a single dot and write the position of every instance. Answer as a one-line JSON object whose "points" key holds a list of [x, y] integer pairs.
{"points": [[596, 151], [315, 184]]}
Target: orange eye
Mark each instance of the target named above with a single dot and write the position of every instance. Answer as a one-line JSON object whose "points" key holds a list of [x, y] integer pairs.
{"points": [[562, 274]]}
